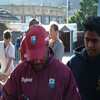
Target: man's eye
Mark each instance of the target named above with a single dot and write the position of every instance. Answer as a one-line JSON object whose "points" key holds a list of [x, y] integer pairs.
{"points": [[95, 41], [87, 40]]}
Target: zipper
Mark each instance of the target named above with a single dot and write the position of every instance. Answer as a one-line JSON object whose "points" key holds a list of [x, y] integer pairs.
{"points": [[38, 86]]}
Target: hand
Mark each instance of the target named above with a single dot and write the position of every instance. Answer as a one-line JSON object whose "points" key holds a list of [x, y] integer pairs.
{"points": [[2, 76]]}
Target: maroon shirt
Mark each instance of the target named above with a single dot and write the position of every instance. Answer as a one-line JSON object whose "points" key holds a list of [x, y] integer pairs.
{"points": [[54, 82]]}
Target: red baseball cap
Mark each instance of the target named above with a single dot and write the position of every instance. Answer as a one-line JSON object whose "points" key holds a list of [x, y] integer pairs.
{"points": [[36, 40]]}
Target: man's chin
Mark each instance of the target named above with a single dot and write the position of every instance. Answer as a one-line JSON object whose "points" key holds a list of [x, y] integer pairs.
{"points": [[38, 67], [91, 56], [90, 53]]}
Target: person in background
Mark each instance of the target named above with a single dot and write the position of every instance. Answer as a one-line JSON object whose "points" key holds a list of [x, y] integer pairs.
{"points": [[17, 44], [23, 54], [19, 39], [7, 53], [55, 43], [41, 76], [85, 64]]}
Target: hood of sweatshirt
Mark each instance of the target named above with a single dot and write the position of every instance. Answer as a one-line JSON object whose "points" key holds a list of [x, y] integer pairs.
{"points": [[82, 53]]}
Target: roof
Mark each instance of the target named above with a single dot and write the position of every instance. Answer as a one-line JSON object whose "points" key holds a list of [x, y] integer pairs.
{"points": [[34, 2], [6, 16], [64, 28], [55, 3]]}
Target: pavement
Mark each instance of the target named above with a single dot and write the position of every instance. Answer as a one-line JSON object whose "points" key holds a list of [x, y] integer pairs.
{"points": [[65, 58]]}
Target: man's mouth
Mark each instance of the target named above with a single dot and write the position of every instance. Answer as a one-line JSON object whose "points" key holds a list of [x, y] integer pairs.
{"points": [[38, 66]]}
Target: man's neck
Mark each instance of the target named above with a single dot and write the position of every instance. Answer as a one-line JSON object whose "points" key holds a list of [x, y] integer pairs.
{"points": [[5, 45], [54, 39]]}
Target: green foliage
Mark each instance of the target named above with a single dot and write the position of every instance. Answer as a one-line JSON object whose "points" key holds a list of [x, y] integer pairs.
{"points": [[64, 21], [87, 8]]}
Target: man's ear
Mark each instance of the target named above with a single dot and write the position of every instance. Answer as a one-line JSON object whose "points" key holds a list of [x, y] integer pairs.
{"points": [[56, 32]]}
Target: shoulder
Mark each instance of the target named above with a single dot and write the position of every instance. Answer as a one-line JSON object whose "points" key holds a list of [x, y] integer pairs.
{"points": [[59, 45], [11, 45], [61, 67], [1, 42], [58, 41], [21, 67], [72, 58], [1, 47], [74, 62]]}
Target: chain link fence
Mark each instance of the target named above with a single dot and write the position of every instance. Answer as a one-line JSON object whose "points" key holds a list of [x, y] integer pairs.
{"points": [[16, 34]]}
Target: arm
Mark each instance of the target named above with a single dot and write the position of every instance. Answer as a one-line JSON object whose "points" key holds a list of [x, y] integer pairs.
{"points": [[9, 91], [59, 51], [11, 55], [8, 64], [3, 76]]}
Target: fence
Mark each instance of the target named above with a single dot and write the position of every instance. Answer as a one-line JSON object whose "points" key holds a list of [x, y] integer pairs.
{"points": [[16, 34]]}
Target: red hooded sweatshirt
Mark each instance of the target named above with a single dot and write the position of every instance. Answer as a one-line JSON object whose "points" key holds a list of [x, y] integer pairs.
{"points": [[54, 82]]}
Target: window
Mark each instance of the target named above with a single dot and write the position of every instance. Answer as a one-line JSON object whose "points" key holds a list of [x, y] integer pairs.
{"points": [[53, 18], [59, 19], [38, 18], [27, 18], [46, 19]]}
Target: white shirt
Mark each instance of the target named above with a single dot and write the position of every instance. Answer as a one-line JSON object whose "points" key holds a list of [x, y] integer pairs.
{"points": [[5, 53]]}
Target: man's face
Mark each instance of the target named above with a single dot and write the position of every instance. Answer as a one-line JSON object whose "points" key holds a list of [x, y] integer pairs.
{"points": [[52, 33], [6, 41], [92, 44], [23, 34], [39, 64]]}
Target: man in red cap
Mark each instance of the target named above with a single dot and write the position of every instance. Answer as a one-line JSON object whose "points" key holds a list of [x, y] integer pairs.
{"points": [[42, 76]]}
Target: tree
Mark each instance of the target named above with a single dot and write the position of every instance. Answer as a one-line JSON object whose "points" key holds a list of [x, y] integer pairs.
{"points": [[87, 8]]}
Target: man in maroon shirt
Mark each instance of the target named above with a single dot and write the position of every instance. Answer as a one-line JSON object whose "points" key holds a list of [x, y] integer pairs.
{"points": [[41, 76]]}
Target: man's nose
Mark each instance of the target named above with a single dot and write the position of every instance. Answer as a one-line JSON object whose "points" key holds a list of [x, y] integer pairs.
{"points": [[90, 44], [36, 61]]}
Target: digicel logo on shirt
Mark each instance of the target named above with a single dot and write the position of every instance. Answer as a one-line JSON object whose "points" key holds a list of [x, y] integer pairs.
{"points": [[26, 79]]}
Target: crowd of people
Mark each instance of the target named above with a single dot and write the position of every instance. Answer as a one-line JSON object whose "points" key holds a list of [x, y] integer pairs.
{"points": [[41, 74]]}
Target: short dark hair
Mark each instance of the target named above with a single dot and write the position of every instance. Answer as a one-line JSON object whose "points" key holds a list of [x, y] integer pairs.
{"points": [[54, 25], [92, 23], [22, 32], [33, 21], [7, 34]]}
